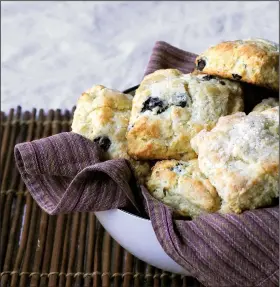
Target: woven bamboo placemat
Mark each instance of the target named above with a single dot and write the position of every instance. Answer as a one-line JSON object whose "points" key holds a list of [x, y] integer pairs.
{"points": [[39, 250]]}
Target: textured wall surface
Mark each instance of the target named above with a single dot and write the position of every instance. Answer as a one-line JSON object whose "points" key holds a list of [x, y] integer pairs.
{"points": [[53, 51]]}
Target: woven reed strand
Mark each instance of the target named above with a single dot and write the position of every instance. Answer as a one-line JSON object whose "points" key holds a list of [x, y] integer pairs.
{"points": [[139, 268], [65, 253], [39, 250], [106, 260], [117, 264], [81, 249], [91, 235], [98, 257], [128, 269], [157, 277]]}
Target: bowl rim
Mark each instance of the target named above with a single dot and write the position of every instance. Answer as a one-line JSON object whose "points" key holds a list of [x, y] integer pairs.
{"points": [[132, 89], [129, 213]]}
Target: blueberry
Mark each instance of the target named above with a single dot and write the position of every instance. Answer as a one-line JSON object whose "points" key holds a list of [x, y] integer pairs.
{"points": [[152, 103], [201, 64], [103, 142], [182, 104], [181, 100], [161, 110], [208, 77], [236, 77], [178, 168]]}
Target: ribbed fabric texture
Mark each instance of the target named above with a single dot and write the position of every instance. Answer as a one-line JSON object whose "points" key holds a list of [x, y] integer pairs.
{"points": [[165, 56], [65, 173]]}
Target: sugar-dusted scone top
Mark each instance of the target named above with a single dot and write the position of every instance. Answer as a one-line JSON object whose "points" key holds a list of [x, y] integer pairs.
{"points": [[254, 61], [169, 108], [183, 186], [266, 104], [102, 115], [240, 157]]}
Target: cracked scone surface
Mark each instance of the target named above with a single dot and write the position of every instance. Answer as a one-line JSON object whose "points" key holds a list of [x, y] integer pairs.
{"points": [[240, 157], [102, 115], [169, 108], [182, 186], [254, 61], [266, 104]]}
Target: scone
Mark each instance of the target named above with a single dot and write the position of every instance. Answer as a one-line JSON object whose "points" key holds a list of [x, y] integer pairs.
{"points": [[254, 61], [169, 108], [102, 115], [183, 186], [266, 104], [240, 157]]}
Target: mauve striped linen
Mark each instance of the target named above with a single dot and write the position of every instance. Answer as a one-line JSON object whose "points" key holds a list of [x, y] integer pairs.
{"points": [[165, 56], [65, 173]]}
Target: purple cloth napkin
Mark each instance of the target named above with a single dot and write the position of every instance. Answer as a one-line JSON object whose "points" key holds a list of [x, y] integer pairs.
{"points": [[65, 173]]}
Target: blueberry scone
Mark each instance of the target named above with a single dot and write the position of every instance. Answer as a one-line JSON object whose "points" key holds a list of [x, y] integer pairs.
{"points": [[102, 115], [240, 157], [183, 186], [266, 104], [169, 108], [254, 61]]}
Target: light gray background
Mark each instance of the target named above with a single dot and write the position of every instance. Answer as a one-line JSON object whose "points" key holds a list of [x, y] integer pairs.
{"points": [[52, 51]]}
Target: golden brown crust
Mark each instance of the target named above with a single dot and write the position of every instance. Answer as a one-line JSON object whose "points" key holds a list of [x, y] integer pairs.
{"points": [[104, 114], [170, 108], [252, 61], [182, 186], [240, 156]]}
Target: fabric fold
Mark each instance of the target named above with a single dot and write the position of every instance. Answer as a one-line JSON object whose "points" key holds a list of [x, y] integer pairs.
{"points": [[64, 173], [230, 246]]}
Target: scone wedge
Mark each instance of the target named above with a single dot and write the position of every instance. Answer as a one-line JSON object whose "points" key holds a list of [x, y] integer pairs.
{"points": [[240, 157], [102, 115], [183, 186], [170, 108], [254, 61]]}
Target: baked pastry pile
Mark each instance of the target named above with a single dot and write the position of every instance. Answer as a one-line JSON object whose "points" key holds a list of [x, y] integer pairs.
{"points": [[211, 156]]}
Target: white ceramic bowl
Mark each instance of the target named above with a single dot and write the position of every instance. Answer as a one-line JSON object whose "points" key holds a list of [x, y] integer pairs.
{"points": [[137, 236]]}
